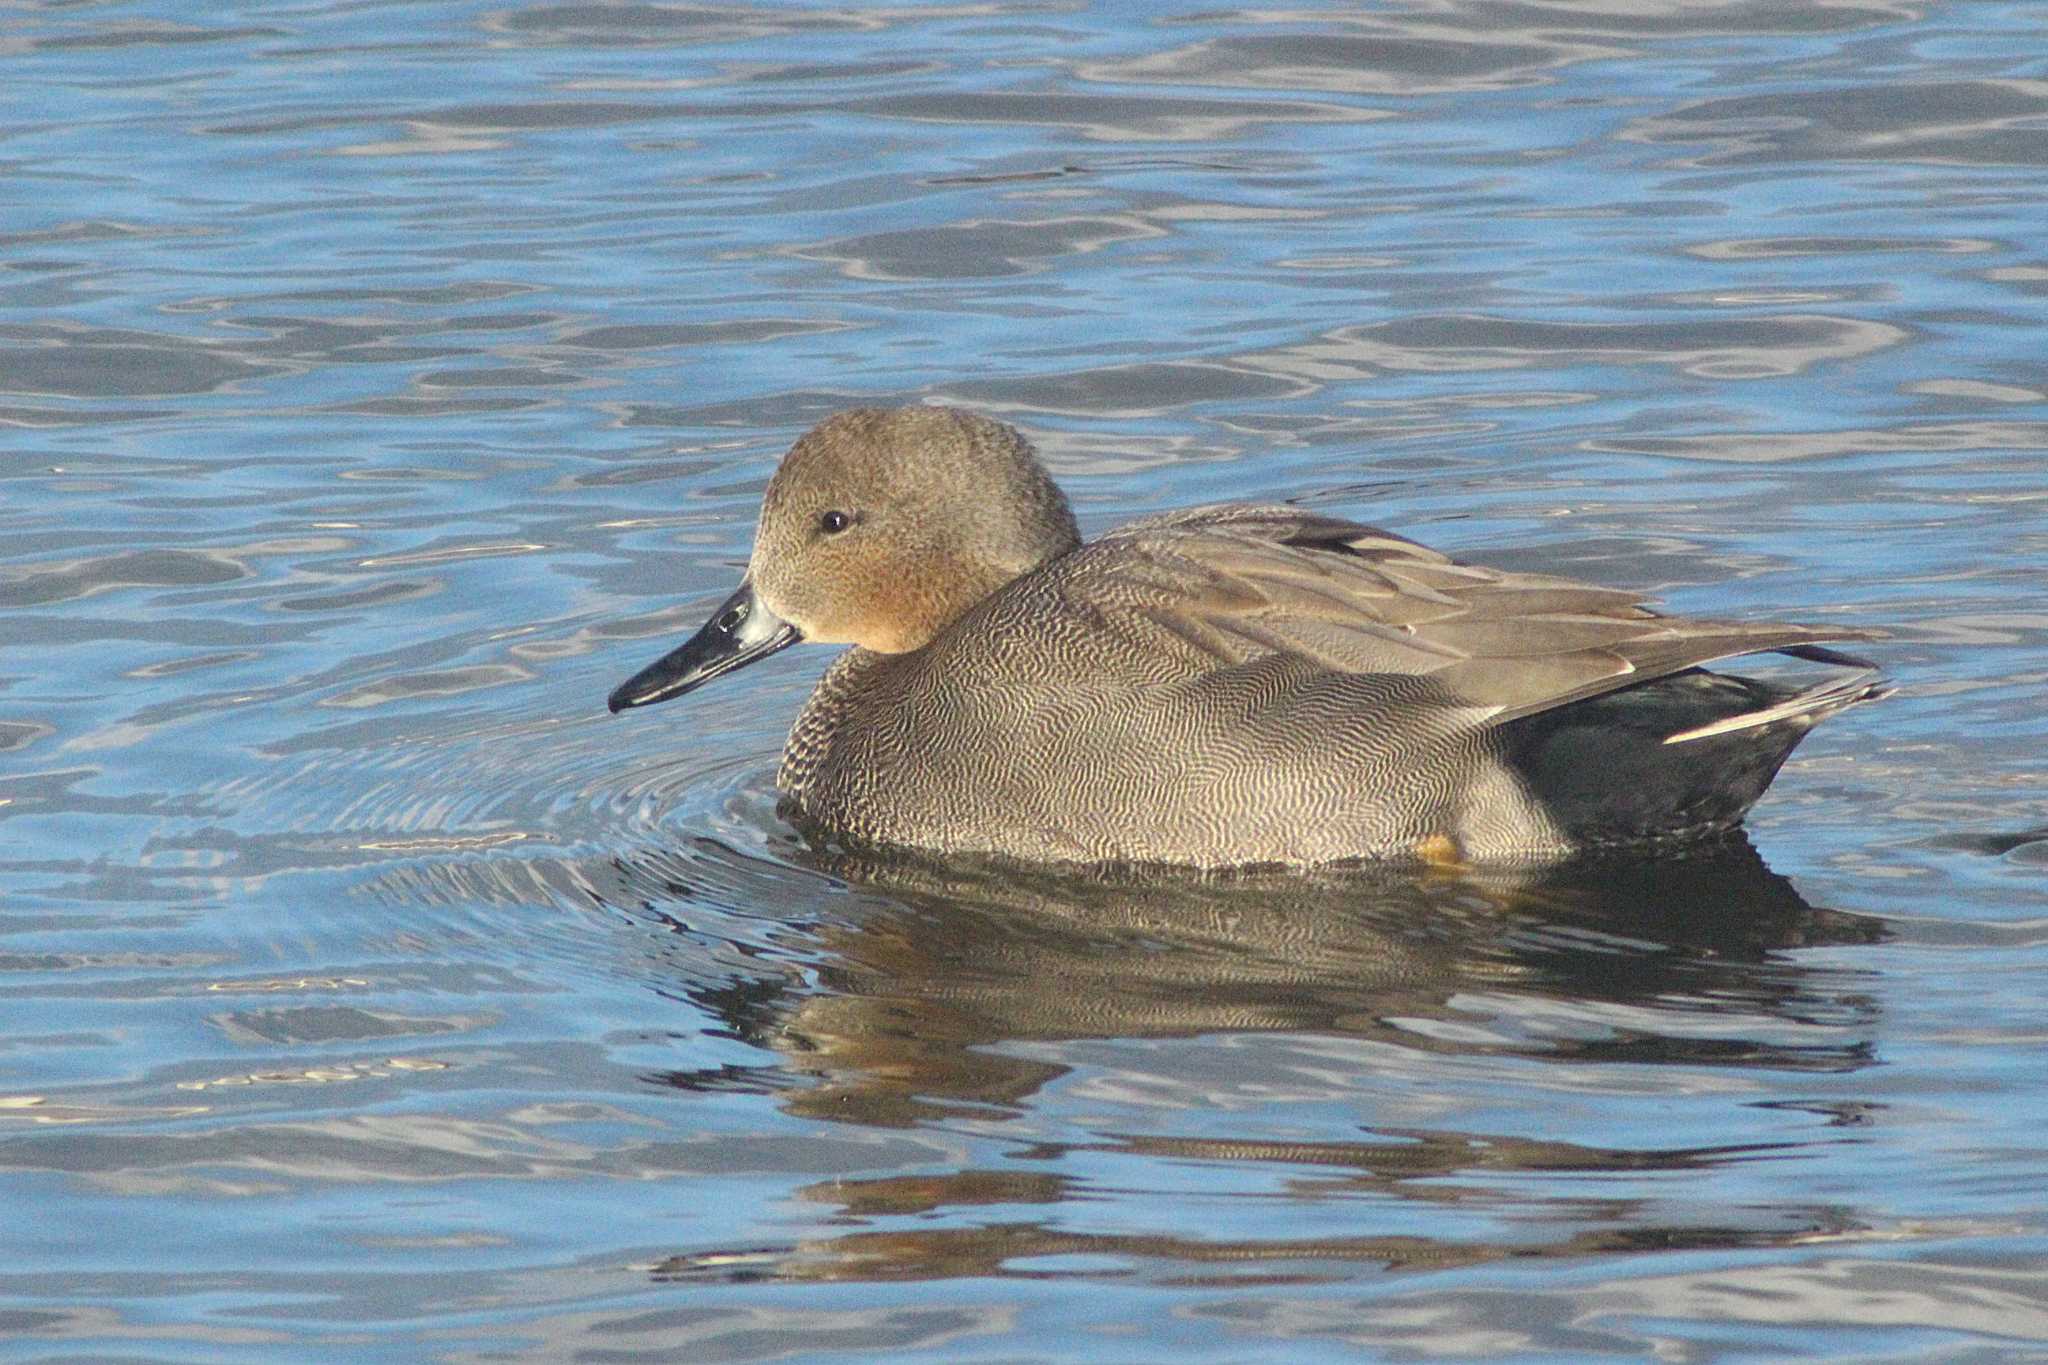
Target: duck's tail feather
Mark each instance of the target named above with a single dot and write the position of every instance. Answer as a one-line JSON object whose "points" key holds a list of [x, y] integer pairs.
{"points": [[1811, 705]]}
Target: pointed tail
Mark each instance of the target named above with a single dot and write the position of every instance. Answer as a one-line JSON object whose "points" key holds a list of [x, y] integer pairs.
{"points": [[1814, 704]]}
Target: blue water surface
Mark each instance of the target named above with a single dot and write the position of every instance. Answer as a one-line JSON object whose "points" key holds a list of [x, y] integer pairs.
{"points": [[381, 384]]}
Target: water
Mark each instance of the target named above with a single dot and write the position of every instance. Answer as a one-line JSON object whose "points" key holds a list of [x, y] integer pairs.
{"points": [[379, 385]]}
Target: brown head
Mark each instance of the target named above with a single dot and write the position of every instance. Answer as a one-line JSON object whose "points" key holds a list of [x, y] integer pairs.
{"points": [[881, 527]]}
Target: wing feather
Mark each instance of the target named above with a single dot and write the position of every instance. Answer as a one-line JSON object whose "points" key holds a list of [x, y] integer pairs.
{"points": [[1229, 584]]}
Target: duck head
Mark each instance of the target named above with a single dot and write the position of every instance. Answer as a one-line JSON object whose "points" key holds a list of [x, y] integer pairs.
{"points": [[880, 528]]}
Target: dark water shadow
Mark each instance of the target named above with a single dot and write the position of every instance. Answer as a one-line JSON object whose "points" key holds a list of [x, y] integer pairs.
{"points": [[905, 1017], [963, 955]]}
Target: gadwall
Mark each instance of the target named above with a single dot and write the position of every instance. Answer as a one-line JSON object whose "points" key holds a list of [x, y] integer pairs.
{"points": [[1219, 686]]}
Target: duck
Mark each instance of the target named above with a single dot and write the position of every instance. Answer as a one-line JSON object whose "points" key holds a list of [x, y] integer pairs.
{"points": [[1220, 686]]}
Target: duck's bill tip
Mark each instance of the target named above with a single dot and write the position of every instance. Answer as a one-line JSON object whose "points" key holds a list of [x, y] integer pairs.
{"points": [[628, 694], [659, 681]]}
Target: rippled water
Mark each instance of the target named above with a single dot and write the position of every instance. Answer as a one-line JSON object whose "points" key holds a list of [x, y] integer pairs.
{"points": [[380, 384]]}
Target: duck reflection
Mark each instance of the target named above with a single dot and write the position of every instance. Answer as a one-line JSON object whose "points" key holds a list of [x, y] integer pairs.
{"points": [[1682, 960], [997, 1249], [955, 957]]}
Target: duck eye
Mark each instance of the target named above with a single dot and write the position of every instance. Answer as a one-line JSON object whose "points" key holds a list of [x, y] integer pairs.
{"points": [[832, 523]]}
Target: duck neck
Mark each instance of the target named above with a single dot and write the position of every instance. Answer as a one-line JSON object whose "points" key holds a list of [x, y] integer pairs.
{"points": [[945, 589], [834, 705]]}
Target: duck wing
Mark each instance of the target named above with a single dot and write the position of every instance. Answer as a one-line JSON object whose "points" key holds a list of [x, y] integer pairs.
{"points": [[1222, 586]]}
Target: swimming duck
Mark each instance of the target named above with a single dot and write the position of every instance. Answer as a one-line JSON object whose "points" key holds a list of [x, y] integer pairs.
{"points": [[1220, 686]]}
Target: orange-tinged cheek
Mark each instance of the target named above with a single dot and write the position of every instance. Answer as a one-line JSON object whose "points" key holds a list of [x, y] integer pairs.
{"points": [[889, 614], [891, 603], [894, 616]]}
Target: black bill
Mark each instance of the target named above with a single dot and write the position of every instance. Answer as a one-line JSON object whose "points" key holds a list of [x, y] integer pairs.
{"points": [[739, 632]]}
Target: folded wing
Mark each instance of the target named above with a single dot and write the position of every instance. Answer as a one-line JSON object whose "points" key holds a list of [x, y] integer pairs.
{"points": [[1221, 586]]}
